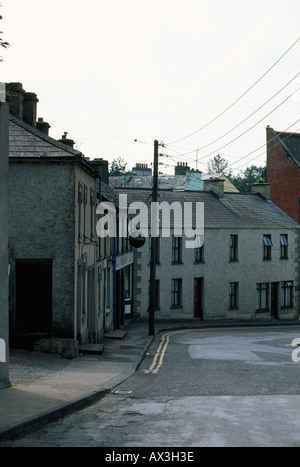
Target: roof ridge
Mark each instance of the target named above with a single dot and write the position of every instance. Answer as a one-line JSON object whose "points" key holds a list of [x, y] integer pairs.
{"points": [[46, 138]]}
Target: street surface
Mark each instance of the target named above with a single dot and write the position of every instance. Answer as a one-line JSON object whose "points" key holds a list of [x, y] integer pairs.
{"points": [[218, 387]]}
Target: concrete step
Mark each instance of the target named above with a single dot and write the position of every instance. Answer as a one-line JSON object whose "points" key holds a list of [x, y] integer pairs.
{"points": [[91, 348]]}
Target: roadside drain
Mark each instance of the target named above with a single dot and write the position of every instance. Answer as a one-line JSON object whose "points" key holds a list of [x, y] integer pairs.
{"points": [[120, 392]]}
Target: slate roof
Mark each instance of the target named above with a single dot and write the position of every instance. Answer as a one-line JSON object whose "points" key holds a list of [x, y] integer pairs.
{"points": [[27, 141], [234, 210], [167, 182], [291, 143]]}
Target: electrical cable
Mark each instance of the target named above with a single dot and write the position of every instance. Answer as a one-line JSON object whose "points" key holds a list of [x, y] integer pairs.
{"points": [[237, 100], [253, 126], [272, 147], [249, 116]]}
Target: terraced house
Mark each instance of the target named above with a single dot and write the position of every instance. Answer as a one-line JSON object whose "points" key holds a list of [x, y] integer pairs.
{"points": [[246, 269], [63, 276]]}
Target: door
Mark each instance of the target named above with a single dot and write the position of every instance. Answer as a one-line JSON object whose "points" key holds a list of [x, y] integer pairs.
{"points": [[198, 297], [33, 296], [274, 299]]}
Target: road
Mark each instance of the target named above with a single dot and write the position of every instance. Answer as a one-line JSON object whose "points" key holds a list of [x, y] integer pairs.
{"points": [[217, 387]]}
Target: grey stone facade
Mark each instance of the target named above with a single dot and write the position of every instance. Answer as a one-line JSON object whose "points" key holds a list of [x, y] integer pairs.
{"points": [[62, 292], [220, 285], [4, 334]]}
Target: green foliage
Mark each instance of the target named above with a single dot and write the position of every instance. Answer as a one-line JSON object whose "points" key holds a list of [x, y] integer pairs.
{"points": [[117, 167], [244, 179], [218, 165], [252, 174]]}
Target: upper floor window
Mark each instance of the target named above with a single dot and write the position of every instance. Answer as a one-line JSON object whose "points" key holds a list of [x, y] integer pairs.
{"points": [[267, 247], [199, 254], [233, 247], [284, 246], [177, 250]]}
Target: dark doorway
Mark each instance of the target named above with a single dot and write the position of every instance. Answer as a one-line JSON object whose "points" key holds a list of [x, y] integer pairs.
{"points": [[198, 297], [274, 299], [33, 296]]}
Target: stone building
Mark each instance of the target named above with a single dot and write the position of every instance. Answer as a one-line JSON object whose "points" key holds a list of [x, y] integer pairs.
{"points": [[4, 334], [62, 282], [246, 268]]}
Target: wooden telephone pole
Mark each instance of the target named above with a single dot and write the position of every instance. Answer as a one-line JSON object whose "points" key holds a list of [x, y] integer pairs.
{"points": [[154, 223]]}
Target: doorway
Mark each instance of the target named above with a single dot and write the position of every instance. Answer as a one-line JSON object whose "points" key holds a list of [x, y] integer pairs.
{"points": [[33, 296], [198, 297]]}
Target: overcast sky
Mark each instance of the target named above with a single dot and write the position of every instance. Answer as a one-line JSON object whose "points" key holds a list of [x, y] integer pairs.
{"points": [[109, 72]]}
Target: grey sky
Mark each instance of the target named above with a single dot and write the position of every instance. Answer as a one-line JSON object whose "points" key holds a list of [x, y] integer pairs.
{"points": [[112, 71]]}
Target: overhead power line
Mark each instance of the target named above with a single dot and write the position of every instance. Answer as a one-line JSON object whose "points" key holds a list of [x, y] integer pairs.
{"points": [[272, 147], [237, 100], [180, 156], [246, 131], [253, 113]]}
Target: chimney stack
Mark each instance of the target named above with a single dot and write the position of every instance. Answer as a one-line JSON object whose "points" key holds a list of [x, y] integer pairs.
{"points": [[102, 168], [42, 126], [29, 108], [182, 168], [15, 97], [262, 189], [66, 141], [216, 185]]}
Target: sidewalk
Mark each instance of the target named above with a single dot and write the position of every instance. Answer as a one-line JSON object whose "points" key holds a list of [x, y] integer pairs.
{"points": [[47, 387]]}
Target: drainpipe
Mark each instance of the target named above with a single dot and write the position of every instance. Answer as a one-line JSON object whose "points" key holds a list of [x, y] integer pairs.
{"points": [[298, 210], [115, 275]]}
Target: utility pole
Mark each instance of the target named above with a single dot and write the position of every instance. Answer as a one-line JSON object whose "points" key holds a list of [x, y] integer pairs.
{"points": [[154, 223]]}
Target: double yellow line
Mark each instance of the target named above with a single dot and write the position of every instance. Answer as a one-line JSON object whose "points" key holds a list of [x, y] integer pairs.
{"points": [[160, 353]]}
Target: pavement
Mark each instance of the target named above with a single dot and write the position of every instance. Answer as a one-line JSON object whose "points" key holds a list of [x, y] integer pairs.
{"points": [[47, 387]]}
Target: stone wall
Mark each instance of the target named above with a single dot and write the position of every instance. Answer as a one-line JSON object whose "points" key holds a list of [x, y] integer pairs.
{"points": [[4, 356]]}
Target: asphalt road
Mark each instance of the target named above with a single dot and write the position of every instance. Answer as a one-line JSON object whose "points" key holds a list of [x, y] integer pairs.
{"points": [[221, 387]]}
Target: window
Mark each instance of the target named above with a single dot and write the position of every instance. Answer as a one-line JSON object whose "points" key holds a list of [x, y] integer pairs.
{"points": [[93, 211], [267, 247], [176, 292], [176, 250], [262, 296], [79, 210], [287, 294], [84, 212], [199, 255], [284, 246], [233, 295], [233, 247]]}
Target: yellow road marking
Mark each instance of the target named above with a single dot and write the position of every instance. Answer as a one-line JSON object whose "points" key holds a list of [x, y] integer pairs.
{"points": [[160, 353], [166, 338]]}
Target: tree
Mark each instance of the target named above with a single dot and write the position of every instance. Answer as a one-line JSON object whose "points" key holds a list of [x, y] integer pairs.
{"points": [[218, 165], [2, 42], [252, 174], [117, 167]]}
